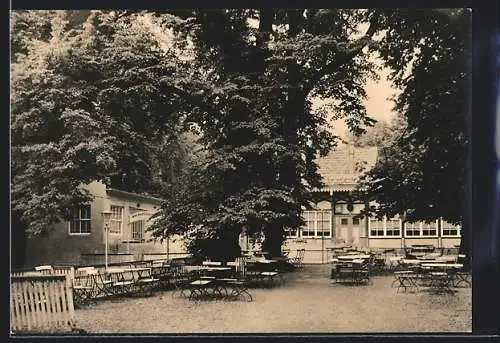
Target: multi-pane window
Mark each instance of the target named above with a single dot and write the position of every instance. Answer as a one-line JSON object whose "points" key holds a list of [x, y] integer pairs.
{"points": [[317, 223], [421, 229], [429, 229], [384, 227], [449, 230], [376, 227], [308, 228], [81, 221], [355, 221], [116, 220], [344, 221], [393, 227], [323, 223], [138, 230], [292, 232], [412, 229]]}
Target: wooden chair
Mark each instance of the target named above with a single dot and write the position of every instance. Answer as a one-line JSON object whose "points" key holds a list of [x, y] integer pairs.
{"points": [[298, 260]]}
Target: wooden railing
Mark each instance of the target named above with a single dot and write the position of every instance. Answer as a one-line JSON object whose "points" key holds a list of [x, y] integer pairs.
{"points": [[41, 303]]}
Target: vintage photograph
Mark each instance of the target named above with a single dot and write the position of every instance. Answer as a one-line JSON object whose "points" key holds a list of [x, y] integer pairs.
{"points": [[240, 171]]}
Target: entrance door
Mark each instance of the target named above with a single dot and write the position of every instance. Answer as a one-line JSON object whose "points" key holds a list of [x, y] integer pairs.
{"points": [[347, 228]]}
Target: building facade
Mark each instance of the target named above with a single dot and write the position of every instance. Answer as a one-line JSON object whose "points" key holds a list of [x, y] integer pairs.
{"points": [[82, 240], [335, 216]]}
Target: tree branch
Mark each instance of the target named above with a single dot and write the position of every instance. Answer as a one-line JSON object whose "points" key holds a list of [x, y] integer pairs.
{"points": [[346, 55]]}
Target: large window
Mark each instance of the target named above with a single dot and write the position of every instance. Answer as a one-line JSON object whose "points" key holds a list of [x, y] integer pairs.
{"points": [[393, 227], [138, 230], [430, 229], [376, 227], [323, 219], [116, 221], [292, 232], [317, 223], [308, 228], [80, 224], [449, 230], [421, 229], [384, 227]]}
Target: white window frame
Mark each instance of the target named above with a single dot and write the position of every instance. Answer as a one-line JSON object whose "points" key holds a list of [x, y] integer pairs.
{"points": [[384, 228], [415, 227], [315, 220], [400, 227], [458, 228], [142, 231], [115, 219], [295, 231], [420, 229], [80, 219], [436, 228]]}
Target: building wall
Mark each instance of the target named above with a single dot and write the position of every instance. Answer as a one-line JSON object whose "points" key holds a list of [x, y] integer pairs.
{"points": [[60, 247]]}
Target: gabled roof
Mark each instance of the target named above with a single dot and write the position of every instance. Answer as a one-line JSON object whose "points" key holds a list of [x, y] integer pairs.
{"points": [[342, 167], [129, 195]]}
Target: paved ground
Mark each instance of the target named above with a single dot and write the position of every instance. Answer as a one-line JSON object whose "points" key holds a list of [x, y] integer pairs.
{"points": [[308, 303]]}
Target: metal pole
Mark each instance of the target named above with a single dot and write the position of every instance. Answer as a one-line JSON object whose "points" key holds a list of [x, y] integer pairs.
{"points": [[106, 246], [323, 247]]}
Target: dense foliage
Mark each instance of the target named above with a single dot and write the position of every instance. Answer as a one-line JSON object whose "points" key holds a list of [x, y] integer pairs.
{"points": [[109, 95], [257, 72], [86, 105], [424, 172]]}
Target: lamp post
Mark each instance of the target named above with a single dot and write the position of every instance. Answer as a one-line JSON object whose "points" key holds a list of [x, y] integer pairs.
{"points": [[106, 215]]}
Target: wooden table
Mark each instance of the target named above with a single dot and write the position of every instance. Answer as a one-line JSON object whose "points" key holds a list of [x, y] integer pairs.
{"points": [[405, 280], [442, 266], [353, 257], [119, 281]]}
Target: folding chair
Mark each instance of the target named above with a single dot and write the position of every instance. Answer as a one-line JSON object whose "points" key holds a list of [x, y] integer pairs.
{"points": [[237, 284], [298, 260], [84, 286]]}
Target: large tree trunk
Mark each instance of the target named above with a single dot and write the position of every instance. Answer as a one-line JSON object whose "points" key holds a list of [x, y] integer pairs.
{"points": [[294, 109], [273, 241]]}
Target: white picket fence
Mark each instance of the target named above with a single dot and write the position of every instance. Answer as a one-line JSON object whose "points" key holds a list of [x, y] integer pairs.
{"points": [[41, 303]]}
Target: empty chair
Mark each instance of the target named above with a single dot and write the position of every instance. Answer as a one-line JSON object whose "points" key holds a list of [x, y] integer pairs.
{"points": [[298, 260]]}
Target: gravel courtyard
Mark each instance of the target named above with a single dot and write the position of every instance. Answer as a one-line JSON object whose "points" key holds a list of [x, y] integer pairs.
{"points": [[308, 303]]}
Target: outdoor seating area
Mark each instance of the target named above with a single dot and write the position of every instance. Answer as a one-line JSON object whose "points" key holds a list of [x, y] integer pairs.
{"points": [[438, 275], [249, 278], [433, 271], [206, 280], [338, 308]]}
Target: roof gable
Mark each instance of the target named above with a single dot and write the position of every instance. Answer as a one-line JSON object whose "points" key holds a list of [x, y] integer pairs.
{"points": [[342, 168]]}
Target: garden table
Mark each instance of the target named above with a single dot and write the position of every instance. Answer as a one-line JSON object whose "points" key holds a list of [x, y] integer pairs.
{"points": [[411, 262], [116, 281], [354, 257], [442, 266], [405, 279], [441, 282]]}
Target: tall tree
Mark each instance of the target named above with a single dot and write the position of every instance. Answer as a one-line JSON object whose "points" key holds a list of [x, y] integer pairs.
{"points": [[86, 105], [425, 172], [254, 91]]}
